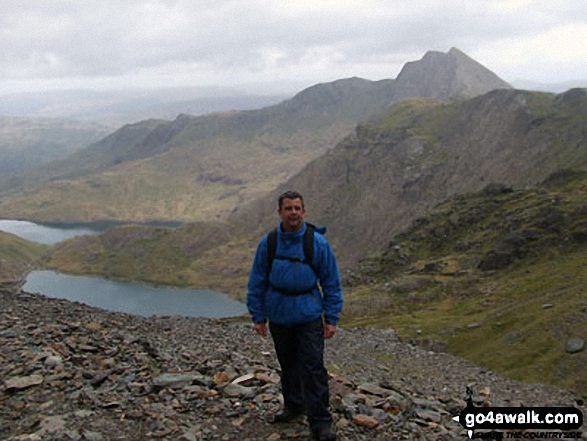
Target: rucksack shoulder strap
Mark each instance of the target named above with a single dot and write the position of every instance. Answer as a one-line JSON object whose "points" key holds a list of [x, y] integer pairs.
{"points": [[307, 244], [271, 248]]}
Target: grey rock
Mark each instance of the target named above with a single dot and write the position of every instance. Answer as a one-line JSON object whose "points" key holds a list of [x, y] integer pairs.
{"points": [[128, 389], [238, 391], [53, 426], [23, 382], [575, 345], [174, 381], [54, 361]]}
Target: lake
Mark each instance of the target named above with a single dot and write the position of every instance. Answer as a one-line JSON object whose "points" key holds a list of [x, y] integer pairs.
{"points": [[49, 234], [129, 297], [133, 298]]}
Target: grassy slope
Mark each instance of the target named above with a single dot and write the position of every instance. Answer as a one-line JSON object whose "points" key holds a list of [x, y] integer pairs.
{"points": [[429, 278], [173, 185], [198, 169], [200, 255], [513, 317], [427, 284], [17, 256]]}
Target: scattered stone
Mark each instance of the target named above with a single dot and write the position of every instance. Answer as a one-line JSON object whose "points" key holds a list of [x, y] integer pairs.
{"points": [[52, 426], [365, 421], [575, 345], [237, 391], [221, 378], [174, 381], [374, 390], [245, 380], [54, 361], [19, 383], [72, 372]]}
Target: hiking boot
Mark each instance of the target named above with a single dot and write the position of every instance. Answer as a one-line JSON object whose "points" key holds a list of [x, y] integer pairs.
{"points": [[286, 415], [323, 434]]}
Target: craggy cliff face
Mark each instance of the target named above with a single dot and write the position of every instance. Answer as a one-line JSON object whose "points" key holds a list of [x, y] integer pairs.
{"points": [[394, 169]]}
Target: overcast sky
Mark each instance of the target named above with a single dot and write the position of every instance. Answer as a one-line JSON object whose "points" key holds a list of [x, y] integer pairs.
{"points": [[49, 44]]}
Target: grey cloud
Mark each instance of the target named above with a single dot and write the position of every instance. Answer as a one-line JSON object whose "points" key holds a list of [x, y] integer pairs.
{"points": [[67, 37]]}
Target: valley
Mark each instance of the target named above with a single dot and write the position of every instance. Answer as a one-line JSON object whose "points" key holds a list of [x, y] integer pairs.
{"points": [[455, 205]]}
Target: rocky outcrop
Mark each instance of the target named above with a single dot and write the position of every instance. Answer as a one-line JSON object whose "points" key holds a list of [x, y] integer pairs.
{"points": [[440, 75], [141, 167], [401, 164], [72, 372]]}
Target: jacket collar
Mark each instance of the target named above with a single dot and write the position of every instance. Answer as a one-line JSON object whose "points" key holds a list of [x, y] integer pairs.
{"points": [[300, 232]]}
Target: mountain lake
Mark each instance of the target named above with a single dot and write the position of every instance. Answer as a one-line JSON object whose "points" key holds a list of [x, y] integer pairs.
{"points": [[130, 297], [52, 233]]}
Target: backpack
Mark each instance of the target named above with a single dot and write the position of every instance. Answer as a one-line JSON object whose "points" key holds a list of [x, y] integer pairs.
{"points": [[307, 244]]}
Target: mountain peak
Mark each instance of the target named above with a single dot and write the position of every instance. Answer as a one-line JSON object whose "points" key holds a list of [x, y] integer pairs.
{"points": [[440, 75], [456, 52]]}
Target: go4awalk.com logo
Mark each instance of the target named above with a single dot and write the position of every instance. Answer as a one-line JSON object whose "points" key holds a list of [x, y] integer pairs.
{"points": [[545, 422]]}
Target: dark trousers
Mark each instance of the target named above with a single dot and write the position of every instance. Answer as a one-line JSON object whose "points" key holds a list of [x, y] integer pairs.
{"points": [[304, 380]]}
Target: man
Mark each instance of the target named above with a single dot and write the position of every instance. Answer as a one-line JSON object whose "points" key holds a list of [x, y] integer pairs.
{"points": [[302, 299]]}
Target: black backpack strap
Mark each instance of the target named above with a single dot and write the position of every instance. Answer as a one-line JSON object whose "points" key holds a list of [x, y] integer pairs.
{"points": [[307, 244], [271, 249]]}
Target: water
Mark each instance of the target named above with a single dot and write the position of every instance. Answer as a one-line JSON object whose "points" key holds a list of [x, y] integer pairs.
{"points": [[133, 298], [129, 297], [48, 234]]}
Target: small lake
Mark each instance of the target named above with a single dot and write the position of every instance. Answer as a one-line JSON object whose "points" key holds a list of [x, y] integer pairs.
{"points": [[133, 298], [50, 234]]}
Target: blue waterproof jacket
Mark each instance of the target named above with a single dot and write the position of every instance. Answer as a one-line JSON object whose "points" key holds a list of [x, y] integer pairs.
{"points": [[266, 298]]}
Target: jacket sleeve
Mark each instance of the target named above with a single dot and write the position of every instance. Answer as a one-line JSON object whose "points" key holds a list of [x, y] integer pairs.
{"points": [[330, 282], [258, 284]]}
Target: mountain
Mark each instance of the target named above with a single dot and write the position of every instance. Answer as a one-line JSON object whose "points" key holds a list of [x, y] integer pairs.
{"points": [[495, 276], [202, 168], [401, 163], [462, 224], [439, 75], [29, 142], [370, 187]]}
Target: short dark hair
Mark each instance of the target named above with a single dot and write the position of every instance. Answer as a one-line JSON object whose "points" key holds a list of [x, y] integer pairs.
{"points": [[290, 195]]}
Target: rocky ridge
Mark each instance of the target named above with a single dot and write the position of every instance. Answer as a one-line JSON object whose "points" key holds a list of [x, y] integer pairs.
{"points": [[140, 172], [72, 372]]}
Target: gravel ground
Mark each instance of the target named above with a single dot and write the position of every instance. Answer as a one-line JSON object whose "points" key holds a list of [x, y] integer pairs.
{"points": [[72, 372]]}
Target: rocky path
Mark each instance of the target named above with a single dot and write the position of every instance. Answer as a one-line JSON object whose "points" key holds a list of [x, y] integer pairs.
{"points": [[72, 372]]}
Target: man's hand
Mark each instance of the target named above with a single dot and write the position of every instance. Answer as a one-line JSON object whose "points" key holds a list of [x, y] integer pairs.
{"points": [[261, 329], [329, 330]]}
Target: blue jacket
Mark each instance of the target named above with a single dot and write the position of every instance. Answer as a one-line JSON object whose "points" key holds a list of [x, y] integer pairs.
{"points": [[266, 302]]}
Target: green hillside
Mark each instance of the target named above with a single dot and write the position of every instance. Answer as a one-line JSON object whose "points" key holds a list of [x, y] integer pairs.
{"points": [[199, 255], [401, 163], [497, 277], [194, 168], [493, 272], [17, 256], [205, 168]]}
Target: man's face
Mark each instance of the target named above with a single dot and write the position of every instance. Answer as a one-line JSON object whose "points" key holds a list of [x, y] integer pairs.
{"points": [[292, 214]]}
